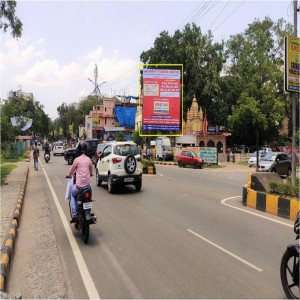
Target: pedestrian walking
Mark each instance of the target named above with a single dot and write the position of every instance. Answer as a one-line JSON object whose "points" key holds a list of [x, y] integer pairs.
{"points": [[36, 154]]}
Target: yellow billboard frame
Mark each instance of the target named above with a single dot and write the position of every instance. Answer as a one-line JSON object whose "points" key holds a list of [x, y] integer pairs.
{"points": [[156, 65]]}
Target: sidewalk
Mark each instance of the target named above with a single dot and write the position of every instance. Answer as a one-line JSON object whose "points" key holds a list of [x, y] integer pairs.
{"points": [[36, 269], [9, 195]]}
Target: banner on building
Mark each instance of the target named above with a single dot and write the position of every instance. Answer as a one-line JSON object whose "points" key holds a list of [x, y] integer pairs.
{"points": [[291, 64], [161, 99], [96, 120]]}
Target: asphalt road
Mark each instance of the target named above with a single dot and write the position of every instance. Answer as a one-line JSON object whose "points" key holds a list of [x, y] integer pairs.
{"points": [[174, 239]]}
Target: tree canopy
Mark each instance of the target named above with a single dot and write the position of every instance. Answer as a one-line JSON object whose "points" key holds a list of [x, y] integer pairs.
{"points": [[8, 18], [21, 106]]}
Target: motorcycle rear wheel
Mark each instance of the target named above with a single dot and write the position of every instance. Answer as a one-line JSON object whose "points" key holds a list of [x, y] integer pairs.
{"points": [[289, 274], [85, 231]]}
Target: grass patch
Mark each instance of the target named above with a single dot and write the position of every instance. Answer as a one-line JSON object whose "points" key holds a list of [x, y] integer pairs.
{"points": [[243, 164], [205, 166], [5, 170], [11, 160], [285, 189]]}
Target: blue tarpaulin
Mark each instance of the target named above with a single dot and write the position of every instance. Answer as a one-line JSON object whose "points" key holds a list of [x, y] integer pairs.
{"points": [[126, 115]]}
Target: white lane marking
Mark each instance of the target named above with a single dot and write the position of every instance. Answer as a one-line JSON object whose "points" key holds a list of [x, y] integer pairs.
{"points": [[84, 272], [226, 251], [133, 289], [253, 213]]}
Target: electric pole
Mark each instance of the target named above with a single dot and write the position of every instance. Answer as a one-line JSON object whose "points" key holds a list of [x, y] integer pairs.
{"points": [[295, 95]]}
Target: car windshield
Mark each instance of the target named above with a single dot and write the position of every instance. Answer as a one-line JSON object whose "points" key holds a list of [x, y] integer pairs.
{"points": [[59, 144], [270, 157], [126, 149], [194, 154]]}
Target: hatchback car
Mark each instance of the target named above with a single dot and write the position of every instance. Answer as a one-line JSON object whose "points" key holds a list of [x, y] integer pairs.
{"points": [[252, 159], [119, 164], [58, 148], [186, 157], [276, 162]]}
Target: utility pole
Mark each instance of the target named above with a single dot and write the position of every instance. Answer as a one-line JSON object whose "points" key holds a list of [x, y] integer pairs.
{"points": [[295, 95]]}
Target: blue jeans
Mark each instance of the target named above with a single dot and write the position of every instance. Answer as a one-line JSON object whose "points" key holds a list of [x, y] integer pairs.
{"points": [[36, 163], [75, 192]]}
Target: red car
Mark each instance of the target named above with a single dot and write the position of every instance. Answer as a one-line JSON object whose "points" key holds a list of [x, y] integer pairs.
{"points": [[186, 157]]}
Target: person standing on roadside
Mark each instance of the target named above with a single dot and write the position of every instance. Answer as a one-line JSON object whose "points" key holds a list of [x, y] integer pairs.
{"points": [[36, 154]]}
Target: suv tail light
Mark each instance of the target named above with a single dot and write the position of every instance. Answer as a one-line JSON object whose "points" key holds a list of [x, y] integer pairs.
{"points": [[116, 160]]}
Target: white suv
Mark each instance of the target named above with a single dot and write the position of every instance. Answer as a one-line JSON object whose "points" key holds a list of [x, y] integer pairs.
{"points": [[119, 164]]}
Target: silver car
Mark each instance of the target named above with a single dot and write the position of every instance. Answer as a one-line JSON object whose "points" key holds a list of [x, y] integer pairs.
{"points": [[252, 159], [277, 162]]}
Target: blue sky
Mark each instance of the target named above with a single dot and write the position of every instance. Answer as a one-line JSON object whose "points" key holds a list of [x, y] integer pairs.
{"points": [[63, 40]]}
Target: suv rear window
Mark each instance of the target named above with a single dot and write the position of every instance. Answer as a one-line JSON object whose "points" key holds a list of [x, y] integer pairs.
{"points": [[125, 150]]}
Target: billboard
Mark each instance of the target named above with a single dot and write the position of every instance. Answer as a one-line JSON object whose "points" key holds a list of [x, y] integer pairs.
{"points": [[161, 100], [291, 64]]}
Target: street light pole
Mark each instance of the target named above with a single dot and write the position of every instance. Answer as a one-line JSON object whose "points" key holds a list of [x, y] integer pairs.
{"points": [[295, 95]]}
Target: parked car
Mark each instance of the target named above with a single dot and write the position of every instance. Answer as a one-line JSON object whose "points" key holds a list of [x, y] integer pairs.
{"points": [[252, 159], [119, 164], [72, 153], [189, 158], [276, 162], [58, 148]]}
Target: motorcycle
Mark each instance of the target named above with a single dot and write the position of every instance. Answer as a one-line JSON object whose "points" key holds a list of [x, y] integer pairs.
{"points": [[289, 268], [47, 157], [85, 216]]}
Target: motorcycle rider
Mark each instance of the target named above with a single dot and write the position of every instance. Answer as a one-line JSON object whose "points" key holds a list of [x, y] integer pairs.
{"points": [[84, 170], [47, 150]]}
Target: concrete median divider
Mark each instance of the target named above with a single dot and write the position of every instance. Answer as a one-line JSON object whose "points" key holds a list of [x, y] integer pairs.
{"points": [[149, 170], [273, 204], [7, 251]]}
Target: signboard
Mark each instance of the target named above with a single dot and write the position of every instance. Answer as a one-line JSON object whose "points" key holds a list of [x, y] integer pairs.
{"points": [[70, 128], [292, 64], [209, 154], [161, 99], [60, 130], [89, 128], [55, 132], [96, 120]]}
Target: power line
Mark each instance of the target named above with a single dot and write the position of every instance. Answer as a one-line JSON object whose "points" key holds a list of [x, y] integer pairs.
{"points": [[219, 15], [230, 15]]}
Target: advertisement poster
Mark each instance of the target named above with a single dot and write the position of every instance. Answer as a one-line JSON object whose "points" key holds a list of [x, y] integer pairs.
{"points": [[209, 155], [89, 128], [292, 65], [161, 99]]}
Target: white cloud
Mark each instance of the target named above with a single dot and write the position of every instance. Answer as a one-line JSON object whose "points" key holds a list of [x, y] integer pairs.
{"points": [[92, 55], [17, 53]]}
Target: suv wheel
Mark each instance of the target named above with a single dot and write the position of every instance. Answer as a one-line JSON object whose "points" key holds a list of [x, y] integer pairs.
{"points": [[110, 185], [98, 180], [138, 186], [130, 164], [70, 160]]}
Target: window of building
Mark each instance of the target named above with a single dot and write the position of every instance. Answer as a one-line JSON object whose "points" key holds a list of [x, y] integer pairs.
{"points": [[220, 147], [201, 144], [210, 143], [105, 121], [105, 108]]}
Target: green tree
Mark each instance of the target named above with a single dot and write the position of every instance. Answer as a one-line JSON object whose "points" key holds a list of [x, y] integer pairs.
{"points": [[136, 137], [202, 61], [8, 18], [254, 80], [120, 137]]}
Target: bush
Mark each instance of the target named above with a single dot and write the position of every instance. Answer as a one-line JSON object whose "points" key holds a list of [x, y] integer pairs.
{"points": [[284, 189], [10, 151], [147, 163]]}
